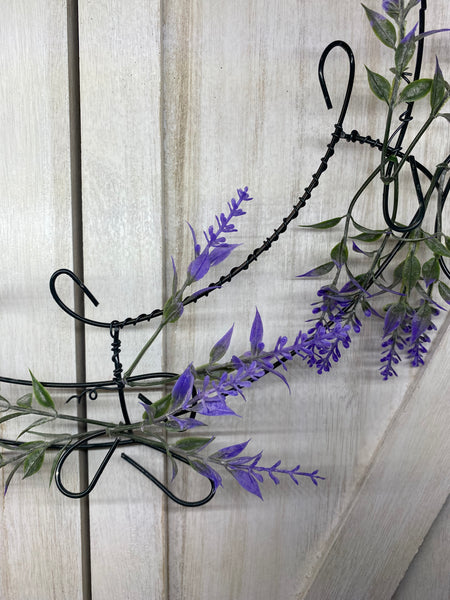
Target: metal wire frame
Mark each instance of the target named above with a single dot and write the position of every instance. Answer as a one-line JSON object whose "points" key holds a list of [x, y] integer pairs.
{"points": [[90, 389]]}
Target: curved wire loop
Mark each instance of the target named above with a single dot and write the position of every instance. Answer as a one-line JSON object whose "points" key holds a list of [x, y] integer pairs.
{"points": [[112, 446], [81, 444], [164, 489], [85, 291], [420, 213], [351, 77]]}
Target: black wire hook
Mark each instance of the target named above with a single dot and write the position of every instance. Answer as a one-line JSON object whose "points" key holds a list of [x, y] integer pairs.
{"points": [[351, 77], [85, 291], [78, 445], [112, 446], [420, 213]]}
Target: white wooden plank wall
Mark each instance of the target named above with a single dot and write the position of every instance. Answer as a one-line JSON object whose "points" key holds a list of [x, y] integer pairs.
{"points": [[183, 101], [39, 529]]}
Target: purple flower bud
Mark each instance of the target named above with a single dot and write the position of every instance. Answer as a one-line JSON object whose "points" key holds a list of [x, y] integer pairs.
{"points": [[256, 335], [182, 390], [409, 35]]}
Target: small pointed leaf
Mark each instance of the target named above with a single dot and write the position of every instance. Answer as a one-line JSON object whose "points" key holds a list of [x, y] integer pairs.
{"points": [[382, 27], [319, 271], [41, 394], [410, 272], [379, 85], [415, 90], [328, 224], [193, 444], [33, 462]]}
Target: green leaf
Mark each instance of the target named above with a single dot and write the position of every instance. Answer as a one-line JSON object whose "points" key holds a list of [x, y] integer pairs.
{"points": [[367, 237], [438, 90], [382, 27], [328, 224], [10, 416], [365, 229], [444, 291], [397, 275], [41, 394], [379, 85], [403, 54], [34, 462], [445, 115], [430, 271], [415, 90], [11, 475], [437, 247], [319, 271], [173, 309], [25, 401], [193, 444], [4, 404], [447, 241], [410, 272], [161, 406], [339, 253], [36, 423]]}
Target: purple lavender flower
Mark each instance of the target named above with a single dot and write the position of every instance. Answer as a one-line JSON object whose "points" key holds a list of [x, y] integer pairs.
{"points": [[217, 249], [324, 345], [249, 474]]}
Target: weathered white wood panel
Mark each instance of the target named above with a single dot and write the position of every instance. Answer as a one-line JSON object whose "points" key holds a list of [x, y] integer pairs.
{"points": [[403, 492], [429, 574], [121, 172], [242, 106], [182, 102], [39, 528]]}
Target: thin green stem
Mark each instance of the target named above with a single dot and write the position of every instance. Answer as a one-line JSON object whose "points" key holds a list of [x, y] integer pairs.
{"points": [[144, 349]]}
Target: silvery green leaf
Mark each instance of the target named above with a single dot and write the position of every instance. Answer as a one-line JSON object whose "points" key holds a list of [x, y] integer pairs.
{"points": [[437, 247], [11, 475], [4, 404], [382, 27], [220, 348], [365, 229], [379, 85], [444, 291], [36, 423], [367, 237], [25, 401], [328, 224], [430, 271], [193, 444], [438, 90], [403, 54], [33, 462], [41, 394], [410, 272], [319, 271], [339, 253], [415, 90], [10, 416]]}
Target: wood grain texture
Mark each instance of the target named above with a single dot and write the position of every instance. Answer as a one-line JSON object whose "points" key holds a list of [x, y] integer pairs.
{"points": [[183, 101], [121, 172], [39, 528], [404, 490], [428, 574], [242, 107]]}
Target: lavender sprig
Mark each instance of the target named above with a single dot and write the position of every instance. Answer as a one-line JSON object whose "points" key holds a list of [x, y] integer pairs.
{"points": [[217, 249], [246, 470]]}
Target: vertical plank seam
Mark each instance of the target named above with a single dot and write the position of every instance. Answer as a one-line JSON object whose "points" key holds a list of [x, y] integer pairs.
{"points": [[165, 512], [78, 267]]}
